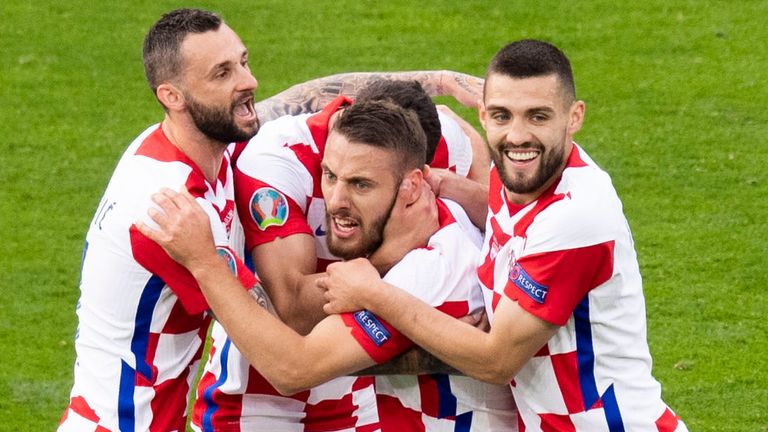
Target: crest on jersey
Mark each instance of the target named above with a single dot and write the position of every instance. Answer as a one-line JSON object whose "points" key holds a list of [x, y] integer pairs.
{"points": [[229, 257], [525, 282], [268, 207], [372, 327]]}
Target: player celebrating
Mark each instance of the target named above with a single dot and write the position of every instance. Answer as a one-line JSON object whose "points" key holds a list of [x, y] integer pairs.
{"points": [[281, 169], [559, 268], [371, 167], [142, 318]]}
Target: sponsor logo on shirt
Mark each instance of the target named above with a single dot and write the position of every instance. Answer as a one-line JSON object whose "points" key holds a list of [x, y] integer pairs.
{"points": [[268, 207], [522, 280], [229, 257], [372, 327], [319, 231]]}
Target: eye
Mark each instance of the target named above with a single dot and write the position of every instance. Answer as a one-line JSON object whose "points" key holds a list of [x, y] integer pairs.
{"points": [[500, 117], [539, 117], [222, 73], [329, 176], [362, 186]]}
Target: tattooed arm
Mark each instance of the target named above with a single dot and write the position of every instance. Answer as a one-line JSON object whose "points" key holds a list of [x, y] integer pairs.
{"points": [[312, 95]]}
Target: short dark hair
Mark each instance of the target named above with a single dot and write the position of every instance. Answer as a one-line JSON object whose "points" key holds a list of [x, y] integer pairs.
{"points": [[409, 95], [534, 58], [162, 45], [385, 125]]}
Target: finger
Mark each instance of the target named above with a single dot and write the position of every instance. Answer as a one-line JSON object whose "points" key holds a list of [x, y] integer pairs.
{"points": [[159, 217], [148, 231], [322, 283], [186, 196], [164, 200], [329, 309]]}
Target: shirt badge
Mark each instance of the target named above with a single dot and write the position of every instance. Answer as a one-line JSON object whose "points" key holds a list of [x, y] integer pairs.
{"points": [[229, 257], [268, 207], [527, 284]]}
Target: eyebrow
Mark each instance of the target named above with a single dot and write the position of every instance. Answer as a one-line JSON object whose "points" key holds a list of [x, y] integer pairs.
{"points": [[226, 63]]}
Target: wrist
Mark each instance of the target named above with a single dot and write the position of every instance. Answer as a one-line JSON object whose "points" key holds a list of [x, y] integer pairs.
{"points": [[374, 296], [206, 267]]}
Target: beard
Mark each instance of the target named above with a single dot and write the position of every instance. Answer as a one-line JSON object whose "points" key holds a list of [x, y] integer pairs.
{"points": [[371, 235], [218, 123], [550, 163]]}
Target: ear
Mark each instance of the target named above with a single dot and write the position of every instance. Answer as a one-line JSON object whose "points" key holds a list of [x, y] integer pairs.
{"points": [[170, 97], [482, 113], [576, 115], [410, 187]]}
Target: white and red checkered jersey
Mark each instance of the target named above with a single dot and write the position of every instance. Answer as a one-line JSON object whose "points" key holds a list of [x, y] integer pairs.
{"points": [[142, 317], [278, 194], [441, 274], [277, 178], [454, 150], [569, 259]]}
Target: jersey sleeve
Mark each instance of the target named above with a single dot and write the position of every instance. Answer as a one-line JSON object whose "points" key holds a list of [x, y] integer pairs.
{"points": [[266, 212], [273, 182], [549, 285], [152, 257], [569, 251], [454, 151]]}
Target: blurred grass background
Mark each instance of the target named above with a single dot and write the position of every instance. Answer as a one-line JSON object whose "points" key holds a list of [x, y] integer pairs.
{"points": [[676, 112]]}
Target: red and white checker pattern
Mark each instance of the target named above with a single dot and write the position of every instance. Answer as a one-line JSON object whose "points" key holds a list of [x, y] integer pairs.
{"points": [[568, 258]]}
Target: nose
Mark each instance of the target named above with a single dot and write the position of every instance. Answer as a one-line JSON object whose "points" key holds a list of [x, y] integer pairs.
{"points": [[517, 132], [247, 81], [336, 197]]}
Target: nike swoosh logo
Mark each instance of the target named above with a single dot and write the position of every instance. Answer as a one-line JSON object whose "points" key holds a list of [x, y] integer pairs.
{"points": [[319, 231]]}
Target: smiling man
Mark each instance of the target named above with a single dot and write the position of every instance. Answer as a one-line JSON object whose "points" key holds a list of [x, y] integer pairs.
{"points": [[562, 282]]}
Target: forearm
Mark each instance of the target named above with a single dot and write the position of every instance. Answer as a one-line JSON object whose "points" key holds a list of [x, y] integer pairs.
{"points": [[312, 95], [268, 344], [458, 344], [415, 361]]}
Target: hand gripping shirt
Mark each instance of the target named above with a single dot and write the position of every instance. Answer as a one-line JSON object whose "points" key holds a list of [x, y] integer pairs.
{"points": [[569, 259], [142, 317], [441, 274], [278, 194]]}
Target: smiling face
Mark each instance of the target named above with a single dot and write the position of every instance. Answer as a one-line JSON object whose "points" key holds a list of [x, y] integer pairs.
{"points": [[360, 189], [217, 85], [529, 125]]}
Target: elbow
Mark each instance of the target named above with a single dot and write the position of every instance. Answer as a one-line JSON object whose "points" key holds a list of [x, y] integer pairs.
{"points": [[495, 372], [290, 381]]}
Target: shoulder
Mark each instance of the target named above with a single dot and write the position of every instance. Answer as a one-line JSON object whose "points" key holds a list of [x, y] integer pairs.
{"points": [[274, 135], [587, 212]]}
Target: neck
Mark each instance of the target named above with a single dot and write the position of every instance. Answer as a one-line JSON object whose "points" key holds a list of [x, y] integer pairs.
{"points": [[205, 152]]}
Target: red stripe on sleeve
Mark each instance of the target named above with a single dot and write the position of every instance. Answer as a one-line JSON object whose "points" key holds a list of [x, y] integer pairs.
{"points": [[396, 344], [153, 258], [568, 275]]}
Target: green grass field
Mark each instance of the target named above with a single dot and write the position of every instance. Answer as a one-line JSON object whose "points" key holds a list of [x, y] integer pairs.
{"points": [[676, 112]]}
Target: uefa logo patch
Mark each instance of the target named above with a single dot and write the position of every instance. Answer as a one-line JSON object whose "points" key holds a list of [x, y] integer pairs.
{"points": [[268, 207], [229, 257], [522, 280]]}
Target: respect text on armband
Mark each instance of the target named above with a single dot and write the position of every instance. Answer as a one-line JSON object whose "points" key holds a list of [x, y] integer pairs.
{"points": [[372, 327]]}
